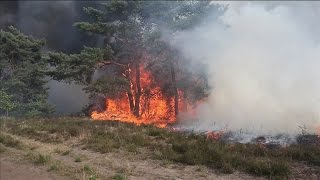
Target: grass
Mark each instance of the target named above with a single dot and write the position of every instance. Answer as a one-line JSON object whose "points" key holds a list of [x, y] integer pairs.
{"points": [[39, 159], [62, 152], [9, 141], [222, 157], [186, 148], [2, 148], [77, 159], [53, 167], [58, 166], [89, 173], [120, 175]]}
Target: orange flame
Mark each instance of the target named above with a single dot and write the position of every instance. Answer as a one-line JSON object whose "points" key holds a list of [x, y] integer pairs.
{"points": [[155, 108], [214, 135]]}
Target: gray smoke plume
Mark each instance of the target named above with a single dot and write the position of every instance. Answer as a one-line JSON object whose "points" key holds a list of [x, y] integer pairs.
{"points": [[264, 67], [67, 98]]}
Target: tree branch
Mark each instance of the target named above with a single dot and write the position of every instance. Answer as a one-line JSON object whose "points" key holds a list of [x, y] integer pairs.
{"points": [[105, 63]]}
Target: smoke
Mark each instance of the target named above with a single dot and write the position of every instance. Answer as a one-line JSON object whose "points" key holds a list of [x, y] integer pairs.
{"points": [[264, 66], [67, 98]]}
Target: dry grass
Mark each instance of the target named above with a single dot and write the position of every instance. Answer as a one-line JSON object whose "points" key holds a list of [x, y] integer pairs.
{"points": [[110, 136], [9, 141]]}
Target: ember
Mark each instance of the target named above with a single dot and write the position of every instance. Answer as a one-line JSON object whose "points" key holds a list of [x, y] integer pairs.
{"points": [[214, 135]]}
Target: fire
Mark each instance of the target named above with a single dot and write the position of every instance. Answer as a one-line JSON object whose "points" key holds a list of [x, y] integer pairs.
{"points": [[214, 135], [155, 108]]}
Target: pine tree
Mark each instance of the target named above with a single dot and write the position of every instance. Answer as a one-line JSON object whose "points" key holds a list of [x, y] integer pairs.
{"points": [[23, 73], [131, 35]]}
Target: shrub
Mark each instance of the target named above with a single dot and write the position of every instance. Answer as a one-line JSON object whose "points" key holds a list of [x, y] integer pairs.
{"points": [[9, 141]]}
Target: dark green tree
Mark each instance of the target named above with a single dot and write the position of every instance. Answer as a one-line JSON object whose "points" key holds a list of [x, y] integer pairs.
{"points": [[23, 73], [122, 25]]}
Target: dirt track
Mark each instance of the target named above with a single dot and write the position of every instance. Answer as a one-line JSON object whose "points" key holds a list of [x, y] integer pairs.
{"points": [[12, 170]]}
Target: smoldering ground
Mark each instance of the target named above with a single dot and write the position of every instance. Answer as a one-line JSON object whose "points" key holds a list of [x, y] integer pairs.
{"points": [[264, 67]]}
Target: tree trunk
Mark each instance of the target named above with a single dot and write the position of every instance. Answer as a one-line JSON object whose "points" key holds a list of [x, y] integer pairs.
{"points": [[175, 90], [127, 75], [7, 112], [138, 91], [131, 103]]}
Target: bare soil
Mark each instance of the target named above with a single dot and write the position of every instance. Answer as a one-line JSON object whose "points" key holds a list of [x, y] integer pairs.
{"points": [[11, 169]]}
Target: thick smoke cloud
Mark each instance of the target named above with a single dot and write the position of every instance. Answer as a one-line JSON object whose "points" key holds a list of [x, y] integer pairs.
{"points": [[264, 67]]}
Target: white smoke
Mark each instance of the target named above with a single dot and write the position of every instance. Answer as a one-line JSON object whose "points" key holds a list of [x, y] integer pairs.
{"points": [[264, 66]]}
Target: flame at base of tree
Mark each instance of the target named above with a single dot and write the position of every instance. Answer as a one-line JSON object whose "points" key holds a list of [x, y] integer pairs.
{"points": [[159, 112], [154, 107]]}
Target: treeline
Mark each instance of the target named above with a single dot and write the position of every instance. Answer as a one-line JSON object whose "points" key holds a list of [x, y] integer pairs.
{"points": [[132, 35]]}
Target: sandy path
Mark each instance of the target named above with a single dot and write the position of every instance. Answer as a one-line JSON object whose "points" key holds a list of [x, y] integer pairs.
{"points": [[12, 170]]}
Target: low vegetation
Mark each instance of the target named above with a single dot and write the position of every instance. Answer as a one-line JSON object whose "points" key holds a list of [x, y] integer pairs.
{"points": [[163, 144], [39, 159], [89, 173], [119, 176], [77, 159], [9, 141]]}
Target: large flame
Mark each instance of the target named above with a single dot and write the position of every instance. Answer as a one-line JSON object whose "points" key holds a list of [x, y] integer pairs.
{"points": [[155, 108]]}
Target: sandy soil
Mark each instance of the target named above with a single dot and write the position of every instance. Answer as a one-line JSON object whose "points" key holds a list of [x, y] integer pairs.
{"points": [[11, 169]]}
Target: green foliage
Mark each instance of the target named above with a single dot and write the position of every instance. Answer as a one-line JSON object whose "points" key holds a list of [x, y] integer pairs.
{"points": [[22, 74], [6, 102], [77, 67], [109, 85], [181, 15], [131, 29]]}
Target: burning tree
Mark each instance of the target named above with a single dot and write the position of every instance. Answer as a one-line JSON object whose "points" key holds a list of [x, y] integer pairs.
{"points": [[140, 75]]}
